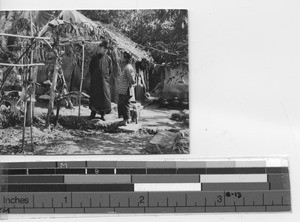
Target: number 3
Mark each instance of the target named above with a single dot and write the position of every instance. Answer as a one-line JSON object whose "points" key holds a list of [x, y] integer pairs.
{"points": [[219, 198]]}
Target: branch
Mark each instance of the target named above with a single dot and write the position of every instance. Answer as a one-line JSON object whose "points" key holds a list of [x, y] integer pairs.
{"points": [[162, 51], [24, 36], [22, 65]]}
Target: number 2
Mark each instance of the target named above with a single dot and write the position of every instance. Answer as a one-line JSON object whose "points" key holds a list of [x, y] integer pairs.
{"points": [[142, 199]]}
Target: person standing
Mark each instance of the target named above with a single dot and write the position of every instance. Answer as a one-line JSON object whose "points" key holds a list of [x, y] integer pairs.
{"points": [[100, 70], [125, 88]]}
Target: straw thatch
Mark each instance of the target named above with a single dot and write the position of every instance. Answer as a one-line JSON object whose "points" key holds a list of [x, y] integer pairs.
{"points": [[76, 29], [71, 29]]}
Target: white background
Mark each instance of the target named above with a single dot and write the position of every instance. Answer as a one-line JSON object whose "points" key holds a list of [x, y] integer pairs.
{"points": [[245, 87]]}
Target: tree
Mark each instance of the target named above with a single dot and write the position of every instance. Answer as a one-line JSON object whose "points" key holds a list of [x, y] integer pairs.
{"points": [[163, 32]]}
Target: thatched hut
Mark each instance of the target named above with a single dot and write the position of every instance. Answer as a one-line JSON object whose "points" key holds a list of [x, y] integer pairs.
{"points": [[70, 30], [79, 30]]}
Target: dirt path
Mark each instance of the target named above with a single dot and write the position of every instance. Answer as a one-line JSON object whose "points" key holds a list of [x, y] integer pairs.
{"points": [[62, 141], [80, 142]]}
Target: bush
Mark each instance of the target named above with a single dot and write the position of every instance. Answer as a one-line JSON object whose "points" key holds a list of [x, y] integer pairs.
{"points": [[9, 118]]}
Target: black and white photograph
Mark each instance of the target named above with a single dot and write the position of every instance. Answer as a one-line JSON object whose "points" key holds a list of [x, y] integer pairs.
{"points": [[95, 105], [94, 82]]}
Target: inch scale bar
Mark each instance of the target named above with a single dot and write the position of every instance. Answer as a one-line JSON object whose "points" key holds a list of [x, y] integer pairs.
{"points": [[149, 202], [144, 187], [106, 170]]}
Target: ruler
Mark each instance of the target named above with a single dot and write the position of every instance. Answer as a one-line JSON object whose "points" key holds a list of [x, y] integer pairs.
{"points": [[144, 186]]}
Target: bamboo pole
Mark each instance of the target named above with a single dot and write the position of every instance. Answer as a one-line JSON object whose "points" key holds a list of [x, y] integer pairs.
{"points": [[81, 80], [58, 101], [21, 65], [70, 42], [31, 107], [24, 125], [25, 105], [32, 92], [24, 36], [52, 92]]}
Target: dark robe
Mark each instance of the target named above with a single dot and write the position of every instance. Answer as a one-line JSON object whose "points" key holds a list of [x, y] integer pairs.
{"points": [[100, 69]]}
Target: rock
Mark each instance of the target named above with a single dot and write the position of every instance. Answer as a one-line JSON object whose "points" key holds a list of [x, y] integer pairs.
{"points": [[153, 149], [164, 141]]}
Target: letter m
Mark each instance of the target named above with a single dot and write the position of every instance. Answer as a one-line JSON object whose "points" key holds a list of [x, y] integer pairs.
{"points": [[5, 210], [63, 165]]}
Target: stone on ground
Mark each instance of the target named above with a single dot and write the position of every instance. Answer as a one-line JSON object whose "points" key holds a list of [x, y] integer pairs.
{"points": [[163, 142]]}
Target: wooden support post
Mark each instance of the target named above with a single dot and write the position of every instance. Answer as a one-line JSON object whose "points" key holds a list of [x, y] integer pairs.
{"points": [[81, 80], [58, 104], [147, 80], [30, 108], [52, 92], [24, 89], [24, 126]]}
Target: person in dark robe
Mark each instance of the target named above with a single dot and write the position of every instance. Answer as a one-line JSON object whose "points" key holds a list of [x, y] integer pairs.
{"points": [[100, 69]]}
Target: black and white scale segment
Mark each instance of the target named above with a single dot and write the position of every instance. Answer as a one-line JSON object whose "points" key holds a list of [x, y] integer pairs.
{"points": [[183, 186]]}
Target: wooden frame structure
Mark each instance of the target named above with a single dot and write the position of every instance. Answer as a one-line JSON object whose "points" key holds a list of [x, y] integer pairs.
{"points": [[30, 108]]}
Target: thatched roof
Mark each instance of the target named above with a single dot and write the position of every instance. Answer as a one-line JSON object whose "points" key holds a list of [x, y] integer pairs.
{"points": [[78, 18], [126, 44], [97, 29], [83, 29]]}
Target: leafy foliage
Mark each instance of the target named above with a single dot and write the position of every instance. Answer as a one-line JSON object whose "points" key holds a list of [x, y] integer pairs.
{"points": [[163, 32], [43, 17]]}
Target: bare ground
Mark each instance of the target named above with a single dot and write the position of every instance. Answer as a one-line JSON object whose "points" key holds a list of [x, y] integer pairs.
{"points": [[65, 139]]}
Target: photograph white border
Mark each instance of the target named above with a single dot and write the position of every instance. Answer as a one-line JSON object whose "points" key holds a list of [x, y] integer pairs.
{"points": [[245, 94]]}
